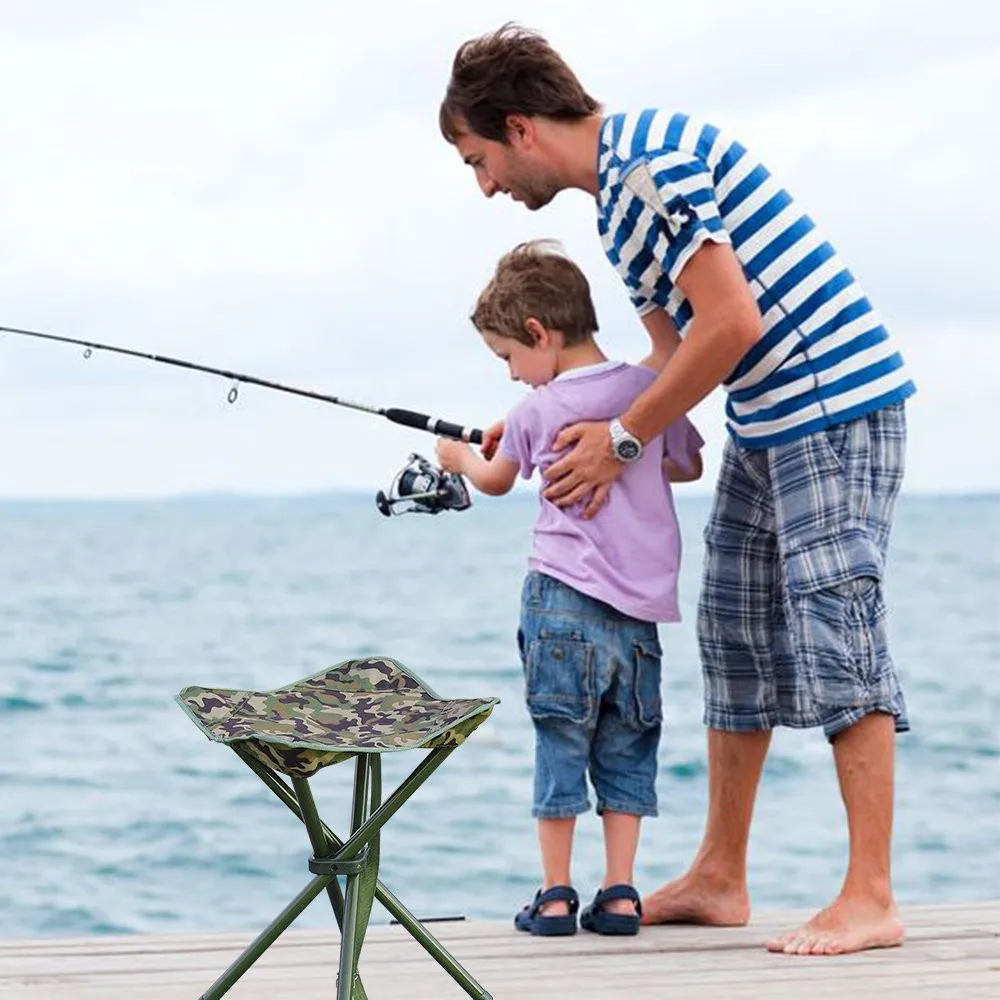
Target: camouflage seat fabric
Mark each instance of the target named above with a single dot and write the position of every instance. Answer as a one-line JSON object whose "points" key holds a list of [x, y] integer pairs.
{"points": [[372, 705]]}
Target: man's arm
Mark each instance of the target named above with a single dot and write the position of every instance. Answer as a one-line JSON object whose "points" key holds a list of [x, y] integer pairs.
{"points": [[726, 324], [494, 477]]}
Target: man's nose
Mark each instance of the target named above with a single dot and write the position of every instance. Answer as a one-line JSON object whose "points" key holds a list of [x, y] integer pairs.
{"points": [[488, 186]]}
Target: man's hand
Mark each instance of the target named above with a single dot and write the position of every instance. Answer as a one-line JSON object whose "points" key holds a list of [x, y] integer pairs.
{"points": [[452, 455], [587, 472], [491, 439]]}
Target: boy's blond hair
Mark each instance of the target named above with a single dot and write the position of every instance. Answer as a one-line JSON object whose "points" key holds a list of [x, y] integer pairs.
{"points": [[536, 280]]}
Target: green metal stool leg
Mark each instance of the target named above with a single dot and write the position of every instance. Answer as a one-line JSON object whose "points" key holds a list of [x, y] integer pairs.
{"points": [[266, 938], [431, 945], [317, 837], [397, 910], [368, 877], [362, 874], [350, 943], [348, 966]]}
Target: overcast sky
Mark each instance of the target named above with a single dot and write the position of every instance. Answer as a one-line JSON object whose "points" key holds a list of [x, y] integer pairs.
{"points": [[262, 187]]}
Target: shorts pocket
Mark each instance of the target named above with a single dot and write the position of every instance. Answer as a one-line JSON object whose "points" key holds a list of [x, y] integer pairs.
{"points": [[559, 678], [830, 560], [646, 657], [836, 615], [837, 439]]}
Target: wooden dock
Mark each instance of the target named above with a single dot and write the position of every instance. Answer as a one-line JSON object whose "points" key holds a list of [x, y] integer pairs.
{"points": [[951, 951]]}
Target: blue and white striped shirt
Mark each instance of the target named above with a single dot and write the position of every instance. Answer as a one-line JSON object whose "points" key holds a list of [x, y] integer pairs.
{"points": [[666, 184]]}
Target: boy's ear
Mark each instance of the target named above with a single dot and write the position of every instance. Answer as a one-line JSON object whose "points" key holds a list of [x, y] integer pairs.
{"points": [[539, 333]]}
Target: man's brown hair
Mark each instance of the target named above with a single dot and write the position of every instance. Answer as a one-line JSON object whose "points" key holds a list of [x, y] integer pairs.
{"points": [[511, 71], [536, 280]]}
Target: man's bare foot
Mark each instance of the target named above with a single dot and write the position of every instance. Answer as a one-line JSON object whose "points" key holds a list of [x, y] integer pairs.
{"points": [[846, 925], [696, 899]]}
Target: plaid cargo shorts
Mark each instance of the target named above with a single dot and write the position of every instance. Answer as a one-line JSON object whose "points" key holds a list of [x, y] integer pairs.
{"points": [[791, 618]]}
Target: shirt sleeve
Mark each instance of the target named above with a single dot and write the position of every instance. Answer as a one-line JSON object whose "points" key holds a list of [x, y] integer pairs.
{"points": [[677, 190], [515, 444], [642, 303], [682, 442]]}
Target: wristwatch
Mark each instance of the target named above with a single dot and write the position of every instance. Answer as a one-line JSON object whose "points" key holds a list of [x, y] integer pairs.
{"points": [[626, 447]]}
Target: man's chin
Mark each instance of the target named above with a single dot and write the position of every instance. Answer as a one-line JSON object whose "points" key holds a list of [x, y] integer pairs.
{"points": [[533, 204]]}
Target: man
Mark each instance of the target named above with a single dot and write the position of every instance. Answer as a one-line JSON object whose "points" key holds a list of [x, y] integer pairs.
{"points": [[735, 287]]}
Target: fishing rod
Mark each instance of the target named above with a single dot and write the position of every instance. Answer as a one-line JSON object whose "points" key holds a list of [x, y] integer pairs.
{"points": [[408, 418], [419, 488]]}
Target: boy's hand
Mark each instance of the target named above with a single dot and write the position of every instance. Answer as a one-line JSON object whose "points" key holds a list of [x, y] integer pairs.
{"points": [[491, 439], [451, 454]]}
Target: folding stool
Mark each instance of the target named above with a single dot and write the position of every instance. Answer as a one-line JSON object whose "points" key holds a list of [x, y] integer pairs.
{"points": [[359, 708]]}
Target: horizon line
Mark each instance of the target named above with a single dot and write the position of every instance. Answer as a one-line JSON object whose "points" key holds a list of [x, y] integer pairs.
{"points": [[987, 493]]}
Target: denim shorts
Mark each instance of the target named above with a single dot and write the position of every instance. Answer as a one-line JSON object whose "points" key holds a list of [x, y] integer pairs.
{"points": [[791, 619], [592, 686]]}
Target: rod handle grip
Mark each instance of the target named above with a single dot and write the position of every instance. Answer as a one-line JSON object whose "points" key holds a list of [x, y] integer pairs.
{"points": [[423, 422]]}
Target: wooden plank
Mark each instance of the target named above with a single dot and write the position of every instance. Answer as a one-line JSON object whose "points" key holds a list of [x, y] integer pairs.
{"points": [[395, 945], [982, 919], [499, 940], [951, 951], [938, 919]]}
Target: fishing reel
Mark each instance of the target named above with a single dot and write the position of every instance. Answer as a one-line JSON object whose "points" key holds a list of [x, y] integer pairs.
{"points": [[422, 488]]}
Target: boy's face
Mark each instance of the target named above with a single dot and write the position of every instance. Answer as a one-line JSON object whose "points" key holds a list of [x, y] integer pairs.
{"points": [[533, 366], [516, 167]]}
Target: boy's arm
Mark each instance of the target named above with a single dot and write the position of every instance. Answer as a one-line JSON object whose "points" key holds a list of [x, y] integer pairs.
{"points": [[494, 477], [664, 339], [678, 473], [491, 440], [682, 446]]}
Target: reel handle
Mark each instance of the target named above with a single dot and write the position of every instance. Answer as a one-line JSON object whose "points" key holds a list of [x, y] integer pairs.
{"points": [[423, 488]]}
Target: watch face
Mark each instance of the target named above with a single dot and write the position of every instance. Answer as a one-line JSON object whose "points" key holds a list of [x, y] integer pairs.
{"points": [[627, 450]]}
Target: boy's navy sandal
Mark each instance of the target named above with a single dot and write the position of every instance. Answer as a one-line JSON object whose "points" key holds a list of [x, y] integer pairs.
{"points": [[532, 920], [595, 918]]}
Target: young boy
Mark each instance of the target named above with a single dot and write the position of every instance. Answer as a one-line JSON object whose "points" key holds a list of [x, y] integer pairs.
{"points": [[595, 588]]}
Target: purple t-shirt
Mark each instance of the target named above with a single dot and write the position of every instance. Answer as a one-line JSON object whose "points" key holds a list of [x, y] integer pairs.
{"points": [[628, 554]]}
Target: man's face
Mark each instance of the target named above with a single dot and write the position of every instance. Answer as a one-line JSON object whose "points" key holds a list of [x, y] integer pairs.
{"points": [[515, 168]]}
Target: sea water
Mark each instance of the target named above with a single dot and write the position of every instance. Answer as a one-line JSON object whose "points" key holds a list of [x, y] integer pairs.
{"points": [[118, 815]]}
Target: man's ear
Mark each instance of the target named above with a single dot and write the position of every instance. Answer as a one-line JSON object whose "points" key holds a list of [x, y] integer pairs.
{"points": [[540, 333], [520, 129]]}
